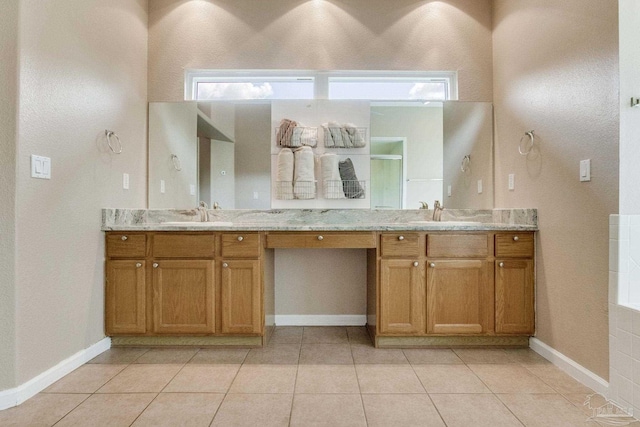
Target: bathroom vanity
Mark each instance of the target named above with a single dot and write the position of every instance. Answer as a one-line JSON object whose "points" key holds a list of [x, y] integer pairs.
{"points": [[428, 283]]}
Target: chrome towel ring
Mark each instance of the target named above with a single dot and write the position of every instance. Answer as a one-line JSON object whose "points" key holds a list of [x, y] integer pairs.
{"points": [[111, 135], [466, 163], [176, 162], [528, 146]]}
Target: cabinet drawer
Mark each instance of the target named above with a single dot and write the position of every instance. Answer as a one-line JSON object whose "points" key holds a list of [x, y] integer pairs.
{"points": [[458, 245], [321, 240], [183, 245], [514, 245], [126, 245], [400, 244], [240, 245]]}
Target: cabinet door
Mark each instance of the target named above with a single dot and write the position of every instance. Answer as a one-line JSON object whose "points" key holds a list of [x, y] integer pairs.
{"points": [[402, 297], [514, 296], [183, 297], [125, 301], [241, 297], [459, 297]]}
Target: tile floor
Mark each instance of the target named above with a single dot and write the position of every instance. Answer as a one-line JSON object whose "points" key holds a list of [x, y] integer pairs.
{"points": [[312, 376]]}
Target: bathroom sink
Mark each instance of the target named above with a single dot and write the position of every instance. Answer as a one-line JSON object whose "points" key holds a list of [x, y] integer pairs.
{"points": [[199, 224], [445, 223]]}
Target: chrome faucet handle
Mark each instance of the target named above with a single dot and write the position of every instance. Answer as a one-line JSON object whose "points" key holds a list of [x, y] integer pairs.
{"points": [[423, 205], [216, 205], [203, 204]]}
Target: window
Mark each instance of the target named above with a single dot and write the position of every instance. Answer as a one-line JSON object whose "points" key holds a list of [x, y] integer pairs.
{"points": [[283, 84]]}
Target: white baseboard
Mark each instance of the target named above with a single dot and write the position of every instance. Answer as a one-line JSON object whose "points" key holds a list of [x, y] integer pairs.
{"points": [[15, 396], [571, 367], [321, 320]]}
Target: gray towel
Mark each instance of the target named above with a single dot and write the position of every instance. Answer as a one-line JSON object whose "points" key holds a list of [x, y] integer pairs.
{"points": [[350, 184]]}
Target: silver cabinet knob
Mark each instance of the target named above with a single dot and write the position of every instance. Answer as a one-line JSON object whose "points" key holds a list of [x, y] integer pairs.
{"points": [[124, 238], [240, 238], [516, 238], [155, 265], [138, 264], [400, 237], [501, 264], [320, 238], [225, 265], [416, 263], [432, 265]]}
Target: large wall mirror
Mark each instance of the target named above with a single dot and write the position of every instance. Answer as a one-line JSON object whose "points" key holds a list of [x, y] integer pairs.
{"points": [[223, 153]]}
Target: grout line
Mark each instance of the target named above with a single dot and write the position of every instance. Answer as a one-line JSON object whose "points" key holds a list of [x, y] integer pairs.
{"points": [[73, 409], [145, 408]]}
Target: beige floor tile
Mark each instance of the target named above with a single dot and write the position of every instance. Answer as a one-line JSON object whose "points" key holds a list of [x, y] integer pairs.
{"points": [[406, 410], [388, 379], [41, 410], [370, 355], [265, 379], [85, 379], [425, 356], [254, 410], [477, 410], [542, 410], [556, 378], [325, 335], [330, 410], [277, 354], [526, 356], [223, 356], [358, 335], [108, 410], [287, 335], [449, 379], [326, 354], [119, 355], [510, 379], [483, 355], [180, 409], [167, 355], [327, 379], [141, 379], [203, 379]]}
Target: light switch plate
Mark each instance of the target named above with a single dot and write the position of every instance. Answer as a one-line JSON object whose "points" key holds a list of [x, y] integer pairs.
{"points": [[256, 195], [585, 170], [479, 186], [512, 182], [448, 190], [162, 187], [192, 189], [125, 181], [40, 167]]}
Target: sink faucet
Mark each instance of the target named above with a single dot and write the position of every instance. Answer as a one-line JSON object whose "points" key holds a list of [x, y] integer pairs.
{"points": [[424, 205], [437, 211], [216, 205], [202, 210]]}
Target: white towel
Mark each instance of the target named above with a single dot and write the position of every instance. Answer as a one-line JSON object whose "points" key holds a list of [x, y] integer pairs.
{"points": [[336, 134], [331, 181], [284, 174], [304, 186], [328, 141], [356, 138]]}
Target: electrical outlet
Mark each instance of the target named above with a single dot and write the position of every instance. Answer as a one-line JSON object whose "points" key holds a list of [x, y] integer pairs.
{"points": [[256, 195], [192, 189], [512, 182], [479, 186], [162, 186], [125, 181], [449, 191]]}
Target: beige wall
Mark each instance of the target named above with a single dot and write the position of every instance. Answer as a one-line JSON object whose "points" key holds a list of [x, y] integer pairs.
{"points": [[82, 70], [629, 117], [556, 71], [8, 134], [320, 35]]}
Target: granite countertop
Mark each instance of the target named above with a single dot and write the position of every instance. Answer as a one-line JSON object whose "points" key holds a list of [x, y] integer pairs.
{"points": [[319, 220]]}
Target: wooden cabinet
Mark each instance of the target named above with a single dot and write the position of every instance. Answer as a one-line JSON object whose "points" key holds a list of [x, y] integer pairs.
{"points": [[183, 296], [459, 297], [514, 279], [125, 302], [241, 297], [402, 297]]}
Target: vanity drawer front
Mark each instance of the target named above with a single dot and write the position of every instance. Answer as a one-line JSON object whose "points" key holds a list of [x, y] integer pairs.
{"points": [[400, 244], [514, 245], [197, 245], [451, 245], [124, 245], [321, 240], [241, 245]]}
